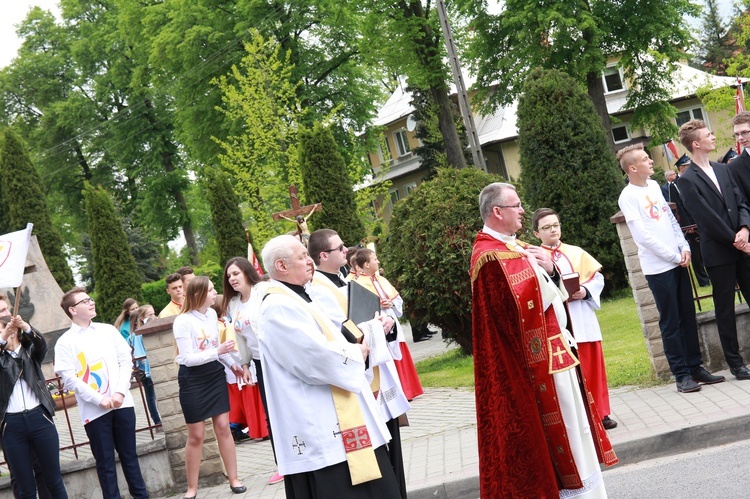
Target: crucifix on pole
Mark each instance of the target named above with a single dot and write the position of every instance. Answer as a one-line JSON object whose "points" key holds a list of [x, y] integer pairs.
{"points": [[298, 214]]}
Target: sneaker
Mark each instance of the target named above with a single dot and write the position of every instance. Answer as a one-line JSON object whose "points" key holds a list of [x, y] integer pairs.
{"points": [[276, 478], [609, 423], [701, 375], [687, 385]]}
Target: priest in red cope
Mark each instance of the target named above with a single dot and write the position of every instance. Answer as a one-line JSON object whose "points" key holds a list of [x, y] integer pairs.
{"points": [[539, 433]]}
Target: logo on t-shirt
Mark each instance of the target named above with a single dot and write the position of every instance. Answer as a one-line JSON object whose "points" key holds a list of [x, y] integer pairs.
{"points": [[202, 341], [653, 209], [94, 374]]}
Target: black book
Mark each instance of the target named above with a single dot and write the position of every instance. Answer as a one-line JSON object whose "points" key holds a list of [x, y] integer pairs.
{"points": [[363, 303]]}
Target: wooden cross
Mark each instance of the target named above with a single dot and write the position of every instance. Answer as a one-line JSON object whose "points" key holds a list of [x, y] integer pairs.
{"points": [[296, 208]]}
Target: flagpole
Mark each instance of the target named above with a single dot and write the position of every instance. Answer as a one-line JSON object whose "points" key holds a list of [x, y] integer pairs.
{"points": [[18, 299]]}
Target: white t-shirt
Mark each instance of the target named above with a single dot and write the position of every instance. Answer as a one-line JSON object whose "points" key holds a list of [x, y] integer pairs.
{"points": [[197, 339], [94, 362], [654, 228]]}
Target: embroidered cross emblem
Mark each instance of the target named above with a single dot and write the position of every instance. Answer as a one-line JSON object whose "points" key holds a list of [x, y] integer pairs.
{"points": [[298, 444], [530, 304], [560, 353], [337, 432]]}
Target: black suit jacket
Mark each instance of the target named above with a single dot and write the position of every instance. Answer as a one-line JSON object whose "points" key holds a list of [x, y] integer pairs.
{"points": [[719, 215], [740, 170]]}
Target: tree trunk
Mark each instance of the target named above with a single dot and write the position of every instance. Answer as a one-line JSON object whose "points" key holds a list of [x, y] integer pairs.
{"points": [[166, 159], [453, 148], [595, 87]]}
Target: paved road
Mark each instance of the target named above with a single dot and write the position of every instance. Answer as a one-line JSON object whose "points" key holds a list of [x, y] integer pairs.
{"points": [[716, 473]]}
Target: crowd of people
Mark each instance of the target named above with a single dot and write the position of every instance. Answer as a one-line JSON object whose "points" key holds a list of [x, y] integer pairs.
{"points": [[277, 356]]}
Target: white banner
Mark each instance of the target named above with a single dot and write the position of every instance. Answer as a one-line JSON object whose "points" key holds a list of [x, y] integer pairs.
{"points": [[14, 247]]}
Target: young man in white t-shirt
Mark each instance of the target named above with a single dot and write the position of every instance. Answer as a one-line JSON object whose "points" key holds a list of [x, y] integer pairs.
{"points": [[94, 361], [665, 255]]}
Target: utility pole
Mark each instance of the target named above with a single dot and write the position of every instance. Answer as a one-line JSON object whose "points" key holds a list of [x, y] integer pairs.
{"points": [[463, 96]]}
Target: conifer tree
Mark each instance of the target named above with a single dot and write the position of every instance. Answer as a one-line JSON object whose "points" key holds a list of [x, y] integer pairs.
{"points": [[566, 165], [715, 44], [23, 198], [226, 215], [326, 181], [115, 270]]}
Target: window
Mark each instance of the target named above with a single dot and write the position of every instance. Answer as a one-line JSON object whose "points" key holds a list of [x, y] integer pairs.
{"points": [[402, 143], [409, 188], [620, 133], [384, 151], [613, 80], [393, 197], [689, 114]]}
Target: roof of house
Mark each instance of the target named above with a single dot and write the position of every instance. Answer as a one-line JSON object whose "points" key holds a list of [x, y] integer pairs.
{"points": [[501, 124]]}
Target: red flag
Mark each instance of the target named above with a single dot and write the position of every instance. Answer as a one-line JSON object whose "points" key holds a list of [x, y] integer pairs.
{"points": [[671, 147], [739, 106]]}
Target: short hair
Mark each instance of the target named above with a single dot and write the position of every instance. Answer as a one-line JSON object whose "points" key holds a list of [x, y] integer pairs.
{"points": [[743, 117], [492, 195], [351, 252], [67, 300], [251, 275], [185, 271], [363, 256], [278, 248], [173, 278], [195, 296], [319, 242], [624, 155], [689, 133], [541, 213]]}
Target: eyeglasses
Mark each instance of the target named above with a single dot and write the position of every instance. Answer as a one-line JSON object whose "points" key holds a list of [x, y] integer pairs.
{"points": [[514, 206], [85, 301], [550, 227], [340, 248], [742, 133]]}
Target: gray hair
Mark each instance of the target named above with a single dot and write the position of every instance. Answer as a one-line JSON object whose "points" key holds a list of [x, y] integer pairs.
{"points": [[278, 248], [492, 195]]}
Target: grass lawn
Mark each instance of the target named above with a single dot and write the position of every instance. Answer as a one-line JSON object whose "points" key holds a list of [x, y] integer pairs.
{"points": [[625, 352]]}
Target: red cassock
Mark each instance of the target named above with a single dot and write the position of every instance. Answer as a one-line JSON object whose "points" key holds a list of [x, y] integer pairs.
{"points": [[523, 445]]}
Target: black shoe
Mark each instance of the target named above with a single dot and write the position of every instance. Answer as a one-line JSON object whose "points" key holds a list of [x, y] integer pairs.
{"points": [[422, 338], [609, 423], [687, 385], [701, 375], [740, 372], [239, 490]]}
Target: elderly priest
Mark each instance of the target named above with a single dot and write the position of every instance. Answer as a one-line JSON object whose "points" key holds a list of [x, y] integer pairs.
{"points": [[327, 430]]}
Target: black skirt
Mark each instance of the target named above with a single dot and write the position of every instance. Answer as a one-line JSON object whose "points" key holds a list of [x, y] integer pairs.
{"points": [[203, 391]]}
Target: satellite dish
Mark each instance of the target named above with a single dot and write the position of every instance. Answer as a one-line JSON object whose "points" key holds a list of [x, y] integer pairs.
{"points": [[411, 123]]}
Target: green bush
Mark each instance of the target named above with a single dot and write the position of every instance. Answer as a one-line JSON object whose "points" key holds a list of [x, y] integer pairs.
{"points": [[567, 165], [428, 250]]}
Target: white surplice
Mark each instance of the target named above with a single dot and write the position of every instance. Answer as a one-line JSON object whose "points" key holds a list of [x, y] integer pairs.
{"points": [[299, 367]]}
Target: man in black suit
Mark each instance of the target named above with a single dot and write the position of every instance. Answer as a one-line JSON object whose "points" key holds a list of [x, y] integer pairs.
{"points": [[687, 224], [719, 208], [668, 188]]}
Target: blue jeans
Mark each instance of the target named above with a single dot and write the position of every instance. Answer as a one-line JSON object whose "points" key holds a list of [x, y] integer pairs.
{"points": [[115, 430], [679, 328], [148, 388], [25, 434]]}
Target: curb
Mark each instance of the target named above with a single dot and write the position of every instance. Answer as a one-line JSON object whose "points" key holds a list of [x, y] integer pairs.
{"points": [[686, 439]]}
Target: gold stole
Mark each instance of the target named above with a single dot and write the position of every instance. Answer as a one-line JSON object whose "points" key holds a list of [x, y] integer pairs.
{"points": [[363, 465]]}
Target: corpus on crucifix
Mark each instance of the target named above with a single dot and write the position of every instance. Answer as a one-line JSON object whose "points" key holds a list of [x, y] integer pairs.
{"points": [[299, 215]]}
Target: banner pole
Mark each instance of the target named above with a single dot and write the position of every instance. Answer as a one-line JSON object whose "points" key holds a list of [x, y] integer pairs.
{"points": [[18, 299]]}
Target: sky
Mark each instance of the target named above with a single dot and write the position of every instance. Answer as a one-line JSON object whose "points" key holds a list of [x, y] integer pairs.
{"points": [[14, 11]]}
